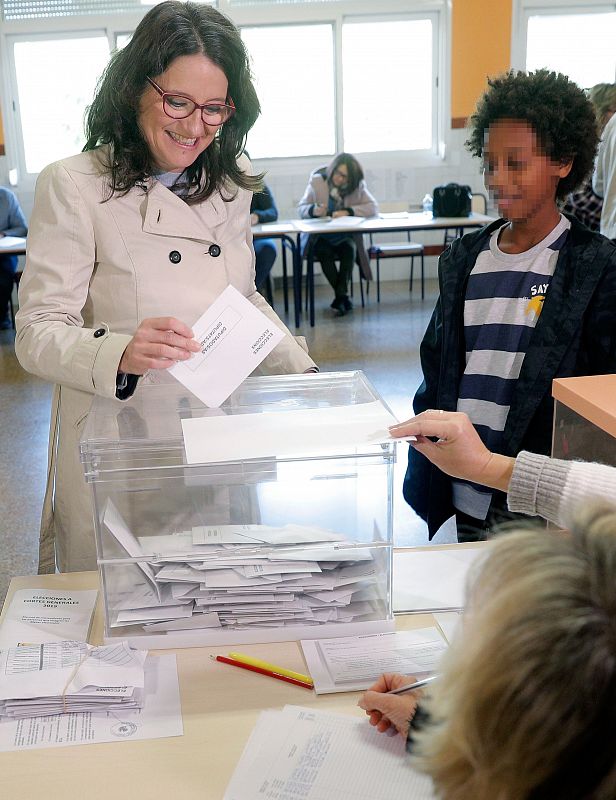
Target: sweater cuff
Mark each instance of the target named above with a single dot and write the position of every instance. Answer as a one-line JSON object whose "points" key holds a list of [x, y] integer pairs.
{"points": [[536, 483], [418, 721]]}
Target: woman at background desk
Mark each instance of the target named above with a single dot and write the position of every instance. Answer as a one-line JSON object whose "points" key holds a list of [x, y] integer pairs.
{"points": [[133, 239], [338, 190]]}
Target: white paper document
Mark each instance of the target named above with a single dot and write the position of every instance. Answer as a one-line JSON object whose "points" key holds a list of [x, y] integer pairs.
{"points": [[432, 580], [115, 524], [47, 615], [59, 675], [353, 663], [450, 623], [308, 432], [235, 337], [346, 221], [302, 754], [331, 222], [274, 227], [11, 241], [159, 717]]}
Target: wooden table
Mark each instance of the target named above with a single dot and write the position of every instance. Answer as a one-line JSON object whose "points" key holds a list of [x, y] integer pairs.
{"points": [[220, 706]]}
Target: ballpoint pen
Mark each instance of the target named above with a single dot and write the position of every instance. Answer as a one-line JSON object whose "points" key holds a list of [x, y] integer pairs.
{"points": [[261, 671], [257, 662], [411, 686]]}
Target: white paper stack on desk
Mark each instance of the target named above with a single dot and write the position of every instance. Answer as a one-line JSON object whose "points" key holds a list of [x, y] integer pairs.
{"points": [[353, 663], [303, 754], [239, 576], [56, 677]]}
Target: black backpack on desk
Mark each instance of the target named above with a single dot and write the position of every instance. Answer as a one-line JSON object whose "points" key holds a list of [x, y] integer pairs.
{"points": [[452, 200]]}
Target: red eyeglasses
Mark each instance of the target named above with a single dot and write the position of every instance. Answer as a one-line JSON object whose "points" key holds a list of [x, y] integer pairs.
{"points": [[178, 106]]}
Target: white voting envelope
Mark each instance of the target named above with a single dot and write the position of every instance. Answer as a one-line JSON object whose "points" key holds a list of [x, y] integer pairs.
{"points": [[307, 431], [235, 337]]}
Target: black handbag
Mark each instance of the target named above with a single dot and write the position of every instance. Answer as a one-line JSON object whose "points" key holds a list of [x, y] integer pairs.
{"points": [[452, 200]]}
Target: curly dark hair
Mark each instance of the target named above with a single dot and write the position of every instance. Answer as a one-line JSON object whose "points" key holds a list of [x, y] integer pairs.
{"points": [[170, 30], [558, 111], [355, 172]]}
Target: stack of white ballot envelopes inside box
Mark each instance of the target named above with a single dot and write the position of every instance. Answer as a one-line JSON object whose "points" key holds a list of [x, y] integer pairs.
{"points": [[214, 577]]}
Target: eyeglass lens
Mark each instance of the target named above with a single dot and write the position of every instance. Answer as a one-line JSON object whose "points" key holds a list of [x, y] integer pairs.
{"points": [[180, 107]]}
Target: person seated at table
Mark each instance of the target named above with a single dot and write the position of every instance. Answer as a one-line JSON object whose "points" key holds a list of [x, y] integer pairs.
{"points": [[263, 209], [535, 484], [12, 223], [524, 707], [338, 190], [527, 299]]}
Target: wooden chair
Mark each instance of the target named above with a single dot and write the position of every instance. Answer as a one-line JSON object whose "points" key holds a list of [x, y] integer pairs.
{"points": [[408, 249]]}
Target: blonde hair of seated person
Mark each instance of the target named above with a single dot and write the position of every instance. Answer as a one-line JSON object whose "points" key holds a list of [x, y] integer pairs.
{"points": [[526, 705]]}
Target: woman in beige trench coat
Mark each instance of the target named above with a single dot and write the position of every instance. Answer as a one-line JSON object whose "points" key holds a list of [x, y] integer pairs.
{"points": [[122, 257]]}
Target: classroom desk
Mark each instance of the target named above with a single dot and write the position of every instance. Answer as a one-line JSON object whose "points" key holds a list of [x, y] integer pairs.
{"points": [[220, 705], [398, 223], [284, 231]]}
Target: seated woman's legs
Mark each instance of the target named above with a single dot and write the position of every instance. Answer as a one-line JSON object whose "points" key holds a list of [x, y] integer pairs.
{"points": [[327, 252], [347, 251], [265, 252]]}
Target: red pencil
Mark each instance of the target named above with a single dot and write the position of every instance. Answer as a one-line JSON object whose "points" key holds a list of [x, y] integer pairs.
{"points": [[271, 674]]}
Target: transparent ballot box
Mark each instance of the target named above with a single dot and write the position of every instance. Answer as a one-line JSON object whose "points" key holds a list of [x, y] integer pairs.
{"points": [[267, 519], [585, 419]]}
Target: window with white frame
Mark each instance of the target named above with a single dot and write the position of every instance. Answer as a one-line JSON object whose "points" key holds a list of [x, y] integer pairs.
{"points": [[389, 108], [327, 78], [52, 105], [293, 67], [576, 39]]}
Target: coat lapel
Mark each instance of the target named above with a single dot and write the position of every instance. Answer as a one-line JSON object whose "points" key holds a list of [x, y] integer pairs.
{"points": [[166, 214], [570, 291]]}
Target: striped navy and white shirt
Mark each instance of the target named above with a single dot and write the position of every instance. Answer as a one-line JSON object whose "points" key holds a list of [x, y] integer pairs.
{"points": [[504, 298]]}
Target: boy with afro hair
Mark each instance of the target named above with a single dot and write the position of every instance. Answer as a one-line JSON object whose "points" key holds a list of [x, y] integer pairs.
{"points": [[527, 299]]}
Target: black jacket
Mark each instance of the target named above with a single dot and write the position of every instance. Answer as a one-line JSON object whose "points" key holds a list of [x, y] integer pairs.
{"points": [[575, 335]]}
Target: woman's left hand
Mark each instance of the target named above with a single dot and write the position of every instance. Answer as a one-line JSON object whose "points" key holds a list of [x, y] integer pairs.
{"points": [[459, 451], [341, 213], [386, 710]]}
